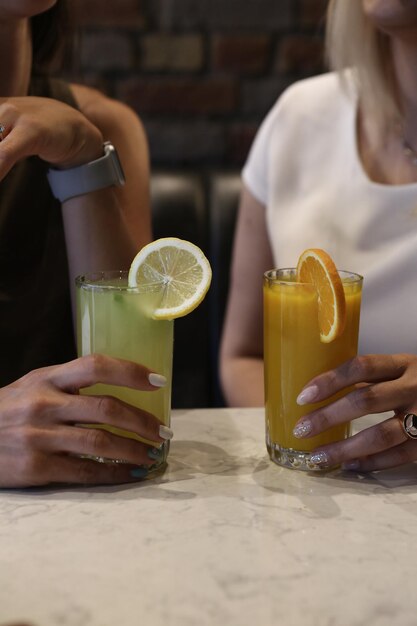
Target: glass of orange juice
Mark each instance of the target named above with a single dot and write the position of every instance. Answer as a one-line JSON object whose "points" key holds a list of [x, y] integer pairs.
{"points": [[294, 354]]}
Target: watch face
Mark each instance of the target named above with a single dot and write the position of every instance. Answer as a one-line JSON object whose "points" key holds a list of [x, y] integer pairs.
{"points": [[111, 150]]}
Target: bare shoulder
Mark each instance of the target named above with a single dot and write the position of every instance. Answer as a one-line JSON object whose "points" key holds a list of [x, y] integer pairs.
{"points": [[109, 115]]}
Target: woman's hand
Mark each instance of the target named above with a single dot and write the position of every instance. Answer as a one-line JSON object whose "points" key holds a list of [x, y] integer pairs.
{"points": [[52, 130], [385, 383], [41, 414]]}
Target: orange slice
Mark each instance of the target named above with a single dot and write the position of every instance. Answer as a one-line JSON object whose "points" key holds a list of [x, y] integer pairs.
{"points": [[317, 267]]}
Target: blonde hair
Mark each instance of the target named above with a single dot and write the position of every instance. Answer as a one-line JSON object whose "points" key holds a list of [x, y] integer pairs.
{"points": [[353, 42]]}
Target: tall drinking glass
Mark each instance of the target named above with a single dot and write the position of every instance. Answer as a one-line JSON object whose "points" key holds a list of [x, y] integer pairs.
{"points": [[115, 320], [294, 354]]}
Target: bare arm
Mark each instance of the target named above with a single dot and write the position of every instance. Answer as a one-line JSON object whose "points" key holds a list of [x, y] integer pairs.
{"points": [[41, 439], [105, 229], [241, 359]]}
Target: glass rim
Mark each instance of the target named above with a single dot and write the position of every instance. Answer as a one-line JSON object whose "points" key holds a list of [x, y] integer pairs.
{"points": [[91, 280], [271, 276]]}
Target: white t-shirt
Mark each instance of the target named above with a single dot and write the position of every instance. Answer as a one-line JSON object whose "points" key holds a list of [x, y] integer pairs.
{"points": [[305, 167]]}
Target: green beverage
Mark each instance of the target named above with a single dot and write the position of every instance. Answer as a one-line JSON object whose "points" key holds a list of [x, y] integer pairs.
{"points": [[115, 319]]}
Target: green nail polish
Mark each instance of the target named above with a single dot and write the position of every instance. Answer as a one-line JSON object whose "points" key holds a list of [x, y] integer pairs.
{"points": [[139, 472]]}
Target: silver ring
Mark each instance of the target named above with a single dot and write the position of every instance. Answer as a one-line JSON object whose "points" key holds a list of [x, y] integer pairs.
{"points": [[2, 130], [409, 422]]}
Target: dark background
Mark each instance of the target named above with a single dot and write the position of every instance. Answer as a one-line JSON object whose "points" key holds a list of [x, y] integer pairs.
{"points": [[201, 73]]}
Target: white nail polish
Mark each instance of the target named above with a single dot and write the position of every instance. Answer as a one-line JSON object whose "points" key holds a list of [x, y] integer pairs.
{"points": [[307, 395], [319, 458], [303, 429], [157, 380], [165, 432]]}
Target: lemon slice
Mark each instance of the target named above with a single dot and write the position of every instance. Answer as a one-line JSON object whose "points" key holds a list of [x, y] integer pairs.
{"points": [[176, 272], [317, 267]]}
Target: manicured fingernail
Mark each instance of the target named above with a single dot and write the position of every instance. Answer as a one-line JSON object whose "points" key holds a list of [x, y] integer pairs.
{"points": [[157, 380], [319, 458], [303, 429], [139, 472], [351, 465], [155, 454], [165, 432], [307, 395]]}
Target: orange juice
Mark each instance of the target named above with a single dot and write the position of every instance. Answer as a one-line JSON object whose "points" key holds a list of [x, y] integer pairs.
{"points": [[294, 354]]}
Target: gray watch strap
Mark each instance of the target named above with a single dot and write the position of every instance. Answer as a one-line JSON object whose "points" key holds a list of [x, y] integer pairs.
{"points": [[77, 181]]}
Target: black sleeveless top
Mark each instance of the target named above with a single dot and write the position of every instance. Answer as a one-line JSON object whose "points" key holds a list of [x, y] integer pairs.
{"points": [[35, 310]]}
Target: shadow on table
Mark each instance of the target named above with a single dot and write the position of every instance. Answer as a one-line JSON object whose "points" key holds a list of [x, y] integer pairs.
{"points": [[318, 491]]}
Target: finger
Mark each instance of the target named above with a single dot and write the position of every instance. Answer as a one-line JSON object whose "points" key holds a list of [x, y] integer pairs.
{"points": [[20, 142], [361, 401], [113, 412], [44, 469], [394, 457], [371, 368], [88, 472], [378, 438], [99, 368], [95, 442]]}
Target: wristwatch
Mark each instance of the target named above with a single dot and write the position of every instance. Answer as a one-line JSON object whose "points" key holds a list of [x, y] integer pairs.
{"points": [[99, 174]]}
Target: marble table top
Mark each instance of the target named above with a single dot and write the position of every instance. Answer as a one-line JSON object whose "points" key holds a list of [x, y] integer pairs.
{"points": [[223, 537]]}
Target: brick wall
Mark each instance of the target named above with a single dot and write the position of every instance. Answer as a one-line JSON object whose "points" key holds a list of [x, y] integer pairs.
{"points": [[201, 73]]}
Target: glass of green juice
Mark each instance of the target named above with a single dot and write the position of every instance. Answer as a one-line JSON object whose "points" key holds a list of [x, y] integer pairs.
{"points": [[116, 320]]}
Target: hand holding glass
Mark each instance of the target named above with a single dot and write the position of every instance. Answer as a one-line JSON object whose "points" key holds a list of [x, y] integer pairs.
{"points": [[114, 319]]}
